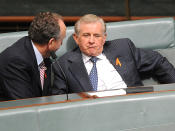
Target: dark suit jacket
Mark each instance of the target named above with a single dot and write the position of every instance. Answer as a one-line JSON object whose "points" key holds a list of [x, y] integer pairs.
{"points": [[19, 74], [136, 64]]}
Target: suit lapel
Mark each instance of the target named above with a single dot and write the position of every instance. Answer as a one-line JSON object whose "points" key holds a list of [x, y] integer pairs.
{"points": [[81, 74], [116, 60], [35, 66]]}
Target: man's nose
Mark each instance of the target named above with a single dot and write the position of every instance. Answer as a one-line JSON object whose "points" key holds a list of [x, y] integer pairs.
{"points": [[91, 40]]}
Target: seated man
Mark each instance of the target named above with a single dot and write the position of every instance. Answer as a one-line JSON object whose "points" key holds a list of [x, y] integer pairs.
{"points": [[25, 67], [97, 64]]}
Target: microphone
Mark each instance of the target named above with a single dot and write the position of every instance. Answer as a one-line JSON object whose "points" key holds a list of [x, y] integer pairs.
{"points": [[53, 55]]}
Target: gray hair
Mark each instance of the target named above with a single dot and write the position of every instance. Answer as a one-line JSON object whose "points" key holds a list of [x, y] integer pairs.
{"points": [[89, 18]]}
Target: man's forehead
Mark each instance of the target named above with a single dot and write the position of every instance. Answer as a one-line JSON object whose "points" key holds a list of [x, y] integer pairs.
{"points": [[91, 27]]}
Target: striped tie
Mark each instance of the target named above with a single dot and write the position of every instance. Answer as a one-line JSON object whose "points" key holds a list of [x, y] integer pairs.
{"points": [[42, 72], [93, 74]]}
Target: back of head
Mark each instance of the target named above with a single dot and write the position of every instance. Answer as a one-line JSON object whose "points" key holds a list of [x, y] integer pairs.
{"points": [[89, 18], [44, 27]]}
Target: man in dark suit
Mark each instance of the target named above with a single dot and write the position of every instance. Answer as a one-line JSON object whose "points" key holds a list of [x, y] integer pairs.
{"points": [[25, 67], [98, 64]]}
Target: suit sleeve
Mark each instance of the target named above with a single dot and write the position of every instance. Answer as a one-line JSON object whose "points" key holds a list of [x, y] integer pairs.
{"points": [[152, 64], [16, 80]]}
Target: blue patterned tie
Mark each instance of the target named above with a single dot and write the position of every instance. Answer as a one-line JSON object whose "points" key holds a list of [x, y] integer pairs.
{"points": [[93, 74]]}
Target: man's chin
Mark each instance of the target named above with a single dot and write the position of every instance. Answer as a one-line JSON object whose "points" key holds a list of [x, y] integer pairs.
{"points": [[92, 54]]}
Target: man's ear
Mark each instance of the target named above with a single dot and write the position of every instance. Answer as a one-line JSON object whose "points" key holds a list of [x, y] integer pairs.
{"points": [[51, 42], [104, 39], [75, 36]]}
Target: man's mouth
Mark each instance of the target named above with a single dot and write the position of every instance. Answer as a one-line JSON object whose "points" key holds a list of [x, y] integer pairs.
{"points": [[91, 47]]}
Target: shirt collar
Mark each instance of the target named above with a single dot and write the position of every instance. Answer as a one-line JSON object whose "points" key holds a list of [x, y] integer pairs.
{"points": [[86, 58], [38, 55]]}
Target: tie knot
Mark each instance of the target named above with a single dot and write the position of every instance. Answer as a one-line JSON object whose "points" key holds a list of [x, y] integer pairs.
{"points": [[42, 65], [94, 59]]}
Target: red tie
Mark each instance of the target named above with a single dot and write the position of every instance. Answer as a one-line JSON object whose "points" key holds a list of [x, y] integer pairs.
{"points": [[42, 72]]}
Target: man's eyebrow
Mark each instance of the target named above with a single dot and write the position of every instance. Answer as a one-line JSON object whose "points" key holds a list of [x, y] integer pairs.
{"points": [[85, 33]]}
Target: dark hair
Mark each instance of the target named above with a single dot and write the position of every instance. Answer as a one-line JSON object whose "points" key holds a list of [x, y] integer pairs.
{"points": [[44, 27]]}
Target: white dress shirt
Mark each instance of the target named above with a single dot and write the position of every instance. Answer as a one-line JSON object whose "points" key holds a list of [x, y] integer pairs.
{"points": [[39, 60], [108, 77]]}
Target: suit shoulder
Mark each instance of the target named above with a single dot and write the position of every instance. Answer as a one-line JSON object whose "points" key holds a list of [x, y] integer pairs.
{"points": [[123, 42], [70, 54], [118, 41], [17, 47], [15, 53]]}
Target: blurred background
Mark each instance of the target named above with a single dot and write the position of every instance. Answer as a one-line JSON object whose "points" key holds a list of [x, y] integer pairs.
{"points": [[16, 15]]}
